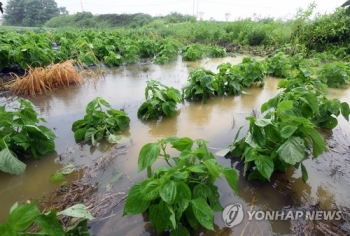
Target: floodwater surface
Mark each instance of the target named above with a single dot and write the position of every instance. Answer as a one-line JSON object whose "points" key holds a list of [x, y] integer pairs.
{"points": [[216, 121]]}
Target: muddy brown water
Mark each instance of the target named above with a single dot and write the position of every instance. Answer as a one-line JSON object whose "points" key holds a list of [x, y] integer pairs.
{"points": [[217, 121]]}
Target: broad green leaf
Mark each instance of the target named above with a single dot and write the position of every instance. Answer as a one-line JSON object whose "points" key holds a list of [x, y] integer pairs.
{"points": [[148, 155], [7, 230], [49, 224], [312, 101], [213, 168], [330, 123], [168, 191], [265, 166], [318, 143], [78, 210], [284, 105], [257, 135], [231, 178], [180, 231], [22, 140], [90, 132], [214, 201], [159, 215], [250, 140], [134, 203], [23, 216], [198, 169], [183, 191], [183, 144], [191, 218], [80, 229], [151, 190], [203, 213], [180, 175], [104, 103], [172, 216], [262, 122], [169, 108], [10, 164], [201, 191], [56, 177], [288, 131], [292, 151], [304, 174], [79, 134], [345, 110]]}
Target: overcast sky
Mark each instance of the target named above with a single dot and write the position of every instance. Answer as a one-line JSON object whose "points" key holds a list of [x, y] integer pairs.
{"points": [[209, 8]]}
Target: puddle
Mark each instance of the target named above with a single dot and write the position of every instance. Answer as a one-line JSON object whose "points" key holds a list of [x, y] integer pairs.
{"points": [[217, 121]]}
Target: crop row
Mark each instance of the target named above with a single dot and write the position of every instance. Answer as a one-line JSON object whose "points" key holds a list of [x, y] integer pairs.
{"points": [[90, 47]]}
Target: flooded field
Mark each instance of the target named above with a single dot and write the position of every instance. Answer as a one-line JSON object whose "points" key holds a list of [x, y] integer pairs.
{"points": [[216, 121]]}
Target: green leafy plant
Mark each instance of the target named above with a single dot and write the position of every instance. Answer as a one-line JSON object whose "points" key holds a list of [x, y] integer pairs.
{"points": [[253, 72], [335, 75], [193, 52], [22, 136], [183, 194], [23, 216], [113, 59], [287, 131], [160, 101], [228, 80], [217, 51], [199, 85], [279, 65], [98, 124]]}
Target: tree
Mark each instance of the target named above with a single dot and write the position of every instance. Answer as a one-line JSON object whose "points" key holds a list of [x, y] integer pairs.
{"points": [[2, 10], [347, 5], [31, 12]]}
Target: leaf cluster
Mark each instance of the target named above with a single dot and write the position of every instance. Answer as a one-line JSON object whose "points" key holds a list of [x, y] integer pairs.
{"points": [[183, 194], [288, 131], [161, 100], [335, 75], [23, 216], [21, 135], [203, 84], [98, 123]]}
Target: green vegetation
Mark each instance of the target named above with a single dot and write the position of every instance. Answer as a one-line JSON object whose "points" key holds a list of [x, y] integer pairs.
{"points": [[98, 124], [22, 217], [31, 13], [279, 65], [182, 195], [199, 85], [160, 101], [289, 127], [335, 75], [22, 136]]}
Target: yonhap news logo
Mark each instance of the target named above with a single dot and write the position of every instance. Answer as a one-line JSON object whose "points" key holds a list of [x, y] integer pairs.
{"points": [[233, 215]]}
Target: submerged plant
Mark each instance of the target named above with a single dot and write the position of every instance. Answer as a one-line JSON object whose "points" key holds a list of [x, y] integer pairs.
{"points": [[217, 51], [98, 124], [279, 65], [199, 85], [160, 101], [193, 52], [22, 136], [181, 195], [253, 72], [228, 80], [288, 130], [335, 74], [22, 217]]}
